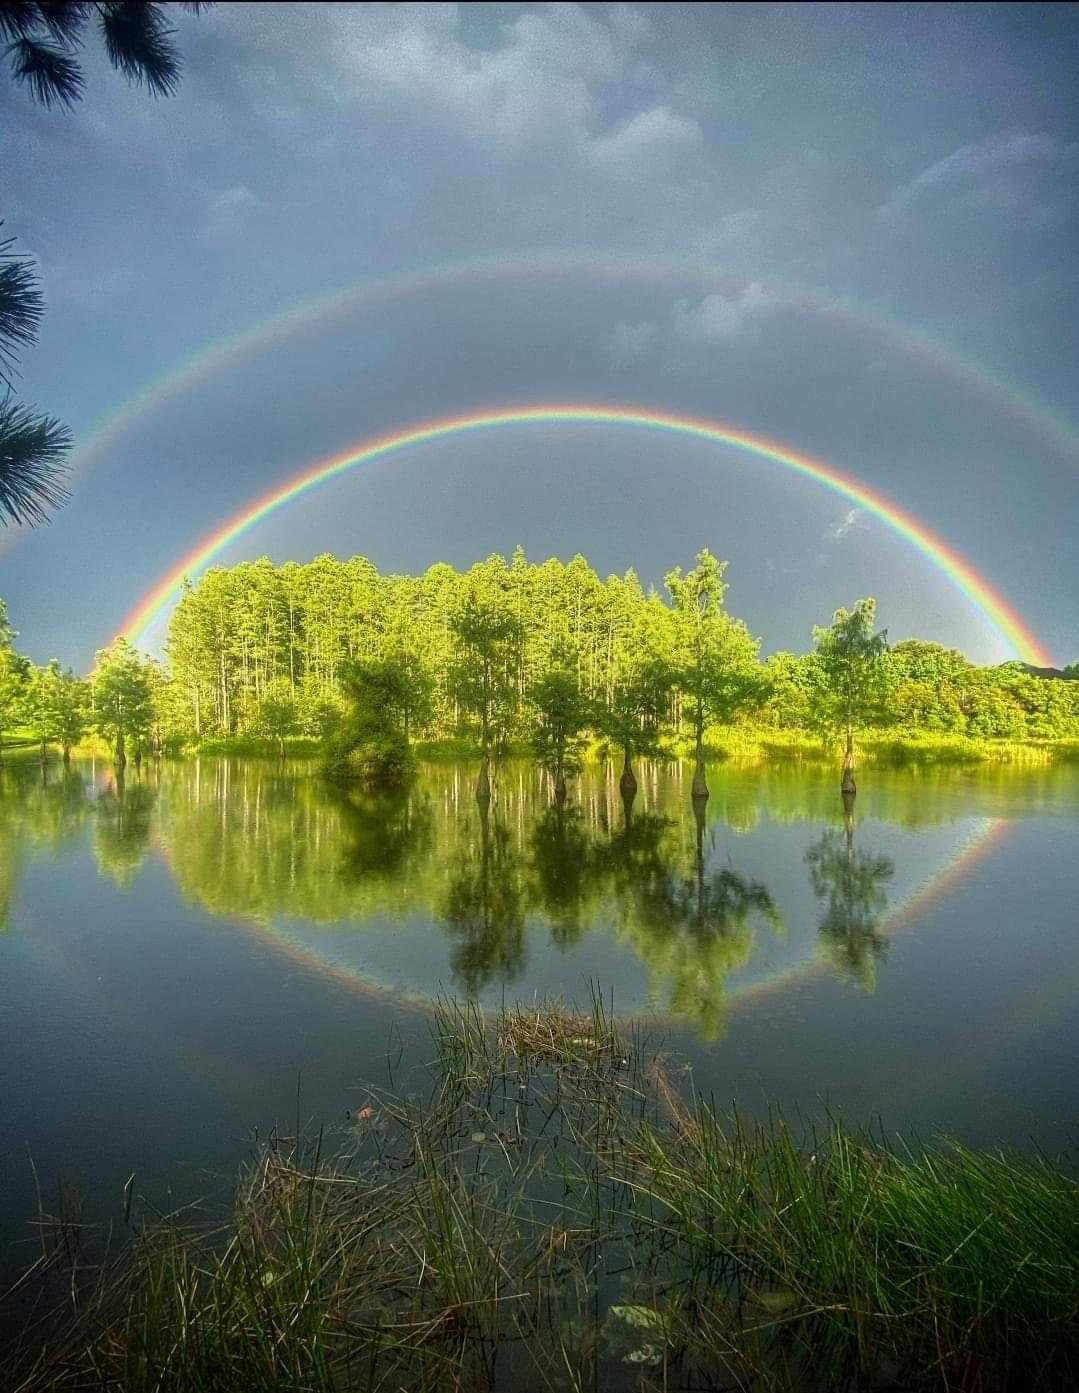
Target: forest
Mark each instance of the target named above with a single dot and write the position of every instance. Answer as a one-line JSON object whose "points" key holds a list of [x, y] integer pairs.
{"points": [[510, 654]]}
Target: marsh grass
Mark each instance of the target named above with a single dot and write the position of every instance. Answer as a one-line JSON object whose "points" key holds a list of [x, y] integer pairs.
{"points": [[549, 1210]]}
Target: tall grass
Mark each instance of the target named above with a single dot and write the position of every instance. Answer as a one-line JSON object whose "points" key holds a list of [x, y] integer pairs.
{"points": [[548, 1210]]}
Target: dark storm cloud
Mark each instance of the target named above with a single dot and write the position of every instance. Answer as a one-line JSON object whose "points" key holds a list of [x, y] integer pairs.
{"points": [[920, 162]]}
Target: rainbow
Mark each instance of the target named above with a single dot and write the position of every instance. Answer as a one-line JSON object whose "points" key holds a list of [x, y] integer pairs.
{"points": [[991, 606], [671, 273]]}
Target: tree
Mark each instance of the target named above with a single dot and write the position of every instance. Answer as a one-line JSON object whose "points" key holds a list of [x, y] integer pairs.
{"points": [[13, 678], [562, 712], [633, 718], [72, 697], [41, 704], [122, 698], [853, 676], [716, 656], [481, 678], [277, 718], [370, 740]]}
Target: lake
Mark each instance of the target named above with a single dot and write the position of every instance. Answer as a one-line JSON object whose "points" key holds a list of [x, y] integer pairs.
{"points": [[224, 945]]}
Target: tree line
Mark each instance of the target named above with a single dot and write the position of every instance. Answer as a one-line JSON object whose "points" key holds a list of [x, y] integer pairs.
{"points": [[503, 653]]}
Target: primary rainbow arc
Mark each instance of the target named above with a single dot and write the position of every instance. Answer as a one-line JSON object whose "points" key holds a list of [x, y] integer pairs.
{"points": [[992, 607]]}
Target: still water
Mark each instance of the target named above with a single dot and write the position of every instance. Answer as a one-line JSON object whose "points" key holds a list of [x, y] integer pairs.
{"points": [[188, 960]]}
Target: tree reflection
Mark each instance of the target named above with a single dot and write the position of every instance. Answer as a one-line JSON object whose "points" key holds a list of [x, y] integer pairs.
{"points": [[694, 928], [565, 882], [123, 815], [484, 907], [382, 831], [43, 809], [853, 882]]}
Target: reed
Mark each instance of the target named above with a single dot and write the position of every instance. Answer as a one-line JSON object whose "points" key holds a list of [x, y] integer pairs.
{"points": [[548, 1209]]}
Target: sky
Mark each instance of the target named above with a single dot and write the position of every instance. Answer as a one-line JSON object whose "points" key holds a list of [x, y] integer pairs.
{"points": [[852, 229]]}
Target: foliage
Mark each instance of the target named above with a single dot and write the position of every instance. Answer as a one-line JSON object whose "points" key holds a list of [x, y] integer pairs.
{"points": [[371, 741], [277, 718], [562, 713], [716, 656], [852, 674], [43, 39], [486, 634], [14, 672], [122, 694]]}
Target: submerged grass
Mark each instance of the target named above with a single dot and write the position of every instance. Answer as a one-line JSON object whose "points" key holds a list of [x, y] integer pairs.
{"points": [[549, 1211]]}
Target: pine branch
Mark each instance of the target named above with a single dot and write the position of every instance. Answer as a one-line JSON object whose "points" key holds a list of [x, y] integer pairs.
{"points": [[50, 74], [65, 19], [32, 450], [139, 43], [18, 18], [21, 306]]}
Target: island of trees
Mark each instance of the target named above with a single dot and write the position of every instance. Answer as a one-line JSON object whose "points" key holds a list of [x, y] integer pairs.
{"points": [[512, 654]]}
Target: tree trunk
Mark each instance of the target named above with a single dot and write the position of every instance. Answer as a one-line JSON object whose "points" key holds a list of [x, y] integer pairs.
{"points": [[848, 787], [121, 756], [483, 783], [628, 782], [560, 787], [44, 750], [67, 755], [700, 785]]}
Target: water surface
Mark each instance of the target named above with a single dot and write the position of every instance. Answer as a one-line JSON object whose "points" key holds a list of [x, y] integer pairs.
{"points": [[197, 956]]}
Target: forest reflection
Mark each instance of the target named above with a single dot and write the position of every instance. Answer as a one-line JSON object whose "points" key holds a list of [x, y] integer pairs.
{"points": [[654, 874]]}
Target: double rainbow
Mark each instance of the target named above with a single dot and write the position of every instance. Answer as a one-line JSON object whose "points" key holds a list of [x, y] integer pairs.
{"points": [[991, 606]]}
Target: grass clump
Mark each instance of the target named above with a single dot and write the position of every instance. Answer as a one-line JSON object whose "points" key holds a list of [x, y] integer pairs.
{"points": [[548, 1210]]}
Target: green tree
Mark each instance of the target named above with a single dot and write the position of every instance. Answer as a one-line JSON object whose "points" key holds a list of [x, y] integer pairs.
{"points": [[72, 699], [122, 700], [41, 704], [633, 717], [13, 678], [370, 741], [853, 676], [716, 655], [481, 677], [562, 712], [277, 717]]}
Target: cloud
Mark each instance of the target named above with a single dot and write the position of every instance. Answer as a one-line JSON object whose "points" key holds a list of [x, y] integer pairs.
{"points": [[719, 318], [851, 519], [539, 76], [227, 214], [655, 132], [974, 163], [627, 343]]}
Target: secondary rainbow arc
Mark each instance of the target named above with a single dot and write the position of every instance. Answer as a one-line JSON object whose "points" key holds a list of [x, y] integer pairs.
{"points": [[991, 606]]}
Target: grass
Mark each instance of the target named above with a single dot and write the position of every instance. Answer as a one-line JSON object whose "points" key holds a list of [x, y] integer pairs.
{"points": [[890, 748], [549, 1211]]}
